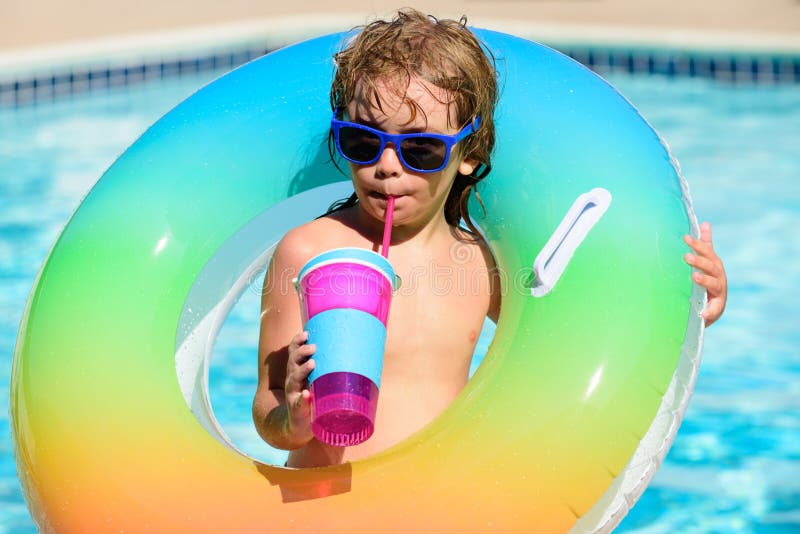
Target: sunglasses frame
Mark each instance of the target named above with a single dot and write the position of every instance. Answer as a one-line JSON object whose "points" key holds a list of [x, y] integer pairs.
{"points": [[396, 139]]}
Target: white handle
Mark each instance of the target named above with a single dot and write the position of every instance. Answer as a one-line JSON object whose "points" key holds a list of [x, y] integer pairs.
{"points": [[550, 263]]}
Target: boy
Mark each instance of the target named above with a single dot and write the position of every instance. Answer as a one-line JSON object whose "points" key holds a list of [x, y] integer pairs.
{"points": [[409, 75]]}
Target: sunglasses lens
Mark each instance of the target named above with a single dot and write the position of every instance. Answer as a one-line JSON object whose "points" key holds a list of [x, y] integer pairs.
{"points": [[423, 153], [358, 145]]}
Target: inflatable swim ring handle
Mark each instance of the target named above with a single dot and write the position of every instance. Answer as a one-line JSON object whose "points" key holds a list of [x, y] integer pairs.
{"points": [[550, 263]]}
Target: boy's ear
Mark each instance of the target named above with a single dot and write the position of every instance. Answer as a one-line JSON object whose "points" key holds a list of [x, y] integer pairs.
{"points": [[468, 166]]}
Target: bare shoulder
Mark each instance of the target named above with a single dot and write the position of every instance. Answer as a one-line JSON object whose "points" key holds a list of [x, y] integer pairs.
{"points": [[303, 242], [295, 245]]}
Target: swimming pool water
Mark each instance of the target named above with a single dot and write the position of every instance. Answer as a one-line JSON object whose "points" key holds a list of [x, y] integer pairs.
{"points": [[735, 464]]}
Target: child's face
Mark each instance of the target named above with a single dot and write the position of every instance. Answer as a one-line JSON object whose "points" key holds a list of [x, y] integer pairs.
{"points": [[419, 196]]}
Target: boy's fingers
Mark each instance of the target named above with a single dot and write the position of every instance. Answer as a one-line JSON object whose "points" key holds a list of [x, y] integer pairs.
{"points": [[299, 355], [712, 312], [712, 284], [302, 398], [700, 279], [297, 378], [298, 339], [305, 352], [701, 248], [692, 242], [294, 381], [291, 386], [705, 232], [714, 308], [704, 264]]}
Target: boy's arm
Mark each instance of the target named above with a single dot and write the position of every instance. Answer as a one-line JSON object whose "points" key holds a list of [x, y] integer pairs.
{"points": [[281, 347], [710, 273]]}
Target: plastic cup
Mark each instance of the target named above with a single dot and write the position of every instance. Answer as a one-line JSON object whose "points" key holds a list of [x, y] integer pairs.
{"points": [[345, 295]]}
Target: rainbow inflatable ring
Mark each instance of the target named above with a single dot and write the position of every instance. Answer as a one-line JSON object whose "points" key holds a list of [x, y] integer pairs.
{"points": [[561, 428]]}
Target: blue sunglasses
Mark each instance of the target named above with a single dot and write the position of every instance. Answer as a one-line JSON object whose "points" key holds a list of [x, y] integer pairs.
{"points": [[419, 152]]}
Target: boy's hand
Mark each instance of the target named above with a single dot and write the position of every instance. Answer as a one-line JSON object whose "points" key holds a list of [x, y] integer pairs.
{"points": [[710, 273], [298, 397]]}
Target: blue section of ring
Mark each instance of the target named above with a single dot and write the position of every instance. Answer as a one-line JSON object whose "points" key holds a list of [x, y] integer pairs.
{"points": [[359, 255], [347, 341]]}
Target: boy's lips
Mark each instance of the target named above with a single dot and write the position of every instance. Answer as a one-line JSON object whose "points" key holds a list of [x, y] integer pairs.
{"points": [[382, 196]]}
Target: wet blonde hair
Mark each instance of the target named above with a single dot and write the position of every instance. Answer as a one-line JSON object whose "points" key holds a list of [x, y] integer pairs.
{"points": [[445, 53]]}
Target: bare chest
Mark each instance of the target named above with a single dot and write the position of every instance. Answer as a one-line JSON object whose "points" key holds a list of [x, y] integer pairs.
{"points": [[434, 323]]}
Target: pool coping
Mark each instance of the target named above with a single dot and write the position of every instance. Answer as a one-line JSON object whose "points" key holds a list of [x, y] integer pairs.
{"points": [[45, 73]]}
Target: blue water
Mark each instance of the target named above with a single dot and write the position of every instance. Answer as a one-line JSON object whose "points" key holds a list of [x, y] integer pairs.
{"points": [[735, 465]]}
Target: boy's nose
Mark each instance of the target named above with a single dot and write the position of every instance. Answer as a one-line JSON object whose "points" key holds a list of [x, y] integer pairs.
{"points": [[389, 163]]}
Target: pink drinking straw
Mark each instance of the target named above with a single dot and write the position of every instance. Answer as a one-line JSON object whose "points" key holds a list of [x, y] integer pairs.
{"points": [[387, 228]]}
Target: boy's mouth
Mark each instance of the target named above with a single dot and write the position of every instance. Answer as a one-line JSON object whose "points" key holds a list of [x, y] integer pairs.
{"points": [[381, 196]]}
